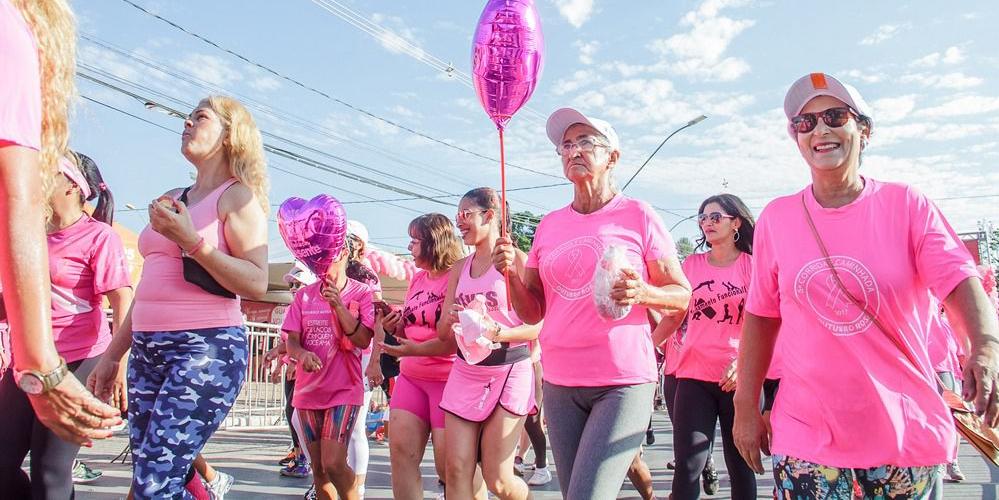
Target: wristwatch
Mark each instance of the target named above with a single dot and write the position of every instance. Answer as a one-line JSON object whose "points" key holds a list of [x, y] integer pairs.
{"points": [[34, 382]]}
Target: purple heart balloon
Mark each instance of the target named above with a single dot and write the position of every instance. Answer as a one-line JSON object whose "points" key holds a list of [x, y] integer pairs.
{"points": [[315, 230], [507, 55]]}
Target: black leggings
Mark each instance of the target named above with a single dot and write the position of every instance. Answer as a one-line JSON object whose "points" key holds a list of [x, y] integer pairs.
{"points": [[21, 432], [535, 431], [289, 393], [701, 405]]}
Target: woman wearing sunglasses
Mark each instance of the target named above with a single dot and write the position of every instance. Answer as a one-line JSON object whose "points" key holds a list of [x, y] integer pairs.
{"points": [[600, 374], [843, 269], [705, 373]]}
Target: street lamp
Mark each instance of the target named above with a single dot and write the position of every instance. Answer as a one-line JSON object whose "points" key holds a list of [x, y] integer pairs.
{"points": [[155, 106], [691, 123], [681, 221]]}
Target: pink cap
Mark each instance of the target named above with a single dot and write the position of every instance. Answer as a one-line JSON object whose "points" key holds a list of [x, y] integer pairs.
{"points": [[69, 169], [815, 84]]}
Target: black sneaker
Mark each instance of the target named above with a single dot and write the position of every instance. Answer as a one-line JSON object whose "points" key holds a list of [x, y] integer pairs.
{"points": [[650, 437], [671, 465], [709, 478]]}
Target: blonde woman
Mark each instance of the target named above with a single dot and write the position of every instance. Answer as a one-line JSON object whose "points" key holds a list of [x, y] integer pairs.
{"points": [[188, 342], [37, 40]]}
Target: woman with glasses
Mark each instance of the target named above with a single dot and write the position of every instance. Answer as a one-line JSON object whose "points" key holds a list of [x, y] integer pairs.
{"points": [[843, 269], [600, 374], [425, 360], [486, 400], [705, 372]]}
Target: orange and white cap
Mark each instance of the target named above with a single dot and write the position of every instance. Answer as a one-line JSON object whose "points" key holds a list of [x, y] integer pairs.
{"points": [[816, 84]]}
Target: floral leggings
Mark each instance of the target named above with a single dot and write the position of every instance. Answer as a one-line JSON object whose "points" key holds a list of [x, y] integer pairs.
{"points": [[798, 479], [181, 385]]}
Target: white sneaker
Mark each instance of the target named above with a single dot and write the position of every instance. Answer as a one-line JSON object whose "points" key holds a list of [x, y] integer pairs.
{"points": [[522, 468], [540, 477], [220, 486]]}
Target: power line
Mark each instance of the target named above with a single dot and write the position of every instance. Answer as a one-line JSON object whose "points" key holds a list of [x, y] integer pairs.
{"points": [[327, 96]]}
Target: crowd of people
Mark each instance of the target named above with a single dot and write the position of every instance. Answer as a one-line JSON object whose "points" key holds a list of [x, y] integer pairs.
{"points": [[864, 271]]}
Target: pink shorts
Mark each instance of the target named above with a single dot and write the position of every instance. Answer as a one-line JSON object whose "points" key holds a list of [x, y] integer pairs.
{"points": [[419, 397], [473, 392]]}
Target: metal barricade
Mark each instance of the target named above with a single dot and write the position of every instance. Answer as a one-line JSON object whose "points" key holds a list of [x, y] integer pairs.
{"points": [[261, 402]]}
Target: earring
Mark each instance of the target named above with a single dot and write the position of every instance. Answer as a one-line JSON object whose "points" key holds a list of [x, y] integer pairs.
{"points": [[737, 235]]}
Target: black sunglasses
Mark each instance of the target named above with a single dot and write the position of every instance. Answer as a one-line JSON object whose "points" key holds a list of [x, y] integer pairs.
{"points": [[832, 117]]}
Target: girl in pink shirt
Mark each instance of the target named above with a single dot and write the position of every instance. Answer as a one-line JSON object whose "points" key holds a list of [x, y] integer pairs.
{"points": [[87, 263], [486, 402], [705, 366], [600, 374], [826, 261], [425, 359], [328, 325]]}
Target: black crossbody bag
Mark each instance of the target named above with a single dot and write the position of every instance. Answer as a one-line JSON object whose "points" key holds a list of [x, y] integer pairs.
{"points": [[196, 274]]}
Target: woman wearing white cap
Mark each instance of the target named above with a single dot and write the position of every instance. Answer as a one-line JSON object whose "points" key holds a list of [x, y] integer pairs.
{"points": [[600, 374], [842, 268]]}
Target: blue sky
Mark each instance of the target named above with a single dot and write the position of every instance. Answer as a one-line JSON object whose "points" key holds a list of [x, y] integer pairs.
{"points": [[646, 66]]}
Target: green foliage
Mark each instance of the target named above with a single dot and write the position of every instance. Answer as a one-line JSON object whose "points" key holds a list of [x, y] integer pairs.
{"points": [[684, 247], [524, 225]]}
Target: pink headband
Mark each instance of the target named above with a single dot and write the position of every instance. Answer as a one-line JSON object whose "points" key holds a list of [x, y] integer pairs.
{"points": [[69, 169]]}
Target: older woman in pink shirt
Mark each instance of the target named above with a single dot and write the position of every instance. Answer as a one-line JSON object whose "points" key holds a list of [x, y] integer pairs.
{"points": [[842, 268]]}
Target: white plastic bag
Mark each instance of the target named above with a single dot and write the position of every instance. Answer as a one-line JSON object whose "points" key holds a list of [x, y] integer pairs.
{"points": [[473, 323], [609, 272]]}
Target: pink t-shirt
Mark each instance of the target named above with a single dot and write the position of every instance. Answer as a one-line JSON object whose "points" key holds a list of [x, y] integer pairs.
{"points": [[714, 318], [339, 381], [581, 348], [421, 312], [20, 85], [671, 350], [164, 300], [848, 397], [492, 286], [86, 260], [942, 345]]}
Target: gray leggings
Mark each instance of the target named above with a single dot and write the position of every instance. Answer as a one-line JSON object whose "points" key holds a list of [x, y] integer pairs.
{"points": [[595, 433]]}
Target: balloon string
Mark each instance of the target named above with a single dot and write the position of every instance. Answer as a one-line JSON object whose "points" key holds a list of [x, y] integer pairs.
{"points": [[503, 214]]}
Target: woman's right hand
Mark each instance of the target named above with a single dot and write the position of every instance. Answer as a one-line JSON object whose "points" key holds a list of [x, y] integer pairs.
{"points": [[310, 362], [504, 254], [749, 431], [73, 413], [391, 322], [374, 373], [107, 382]]}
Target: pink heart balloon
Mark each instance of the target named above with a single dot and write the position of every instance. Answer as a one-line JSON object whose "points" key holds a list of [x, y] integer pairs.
{"points": [[507, 56], [315, 230]]}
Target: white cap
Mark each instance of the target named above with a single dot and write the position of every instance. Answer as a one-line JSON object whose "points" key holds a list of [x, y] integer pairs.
{"points": [[813, 85], [563, 118], [357, 229], [301, 274]]}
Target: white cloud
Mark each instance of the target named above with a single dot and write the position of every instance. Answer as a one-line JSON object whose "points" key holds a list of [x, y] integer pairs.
{"points": [[962, 106], [400, 39], [699, 53], [577, 12], [579, 79], [868, 76], [953, 55], [953, 81], [893, 109], [884, 32], [212, 69], [586, 50]]}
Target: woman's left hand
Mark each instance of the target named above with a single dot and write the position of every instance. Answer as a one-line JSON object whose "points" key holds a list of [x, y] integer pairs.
{"points": [[170, 218], [727, 382], [406, 347], [629, 289], [981, 381]]}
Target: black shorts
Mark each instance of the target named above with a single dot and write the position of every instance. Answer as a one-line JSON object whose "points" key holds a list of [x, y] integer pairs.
{"points": [[770, 387]]}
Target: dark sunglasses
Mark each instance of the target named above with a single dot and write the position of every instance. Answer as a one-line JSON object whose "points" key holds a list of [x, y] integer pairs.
{"points": [[832, 117], [715, 217]]}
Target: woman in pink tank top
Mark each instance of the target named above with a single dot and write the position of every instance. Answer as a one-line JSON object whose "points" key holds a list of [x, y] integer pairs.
{"points": [[188, 343], [486, 400]]}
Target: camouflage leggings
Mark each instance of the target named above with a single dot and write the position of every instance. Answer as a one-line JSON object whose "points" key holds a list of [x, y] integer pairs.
{"points": [[798, 479], [181, 385]]}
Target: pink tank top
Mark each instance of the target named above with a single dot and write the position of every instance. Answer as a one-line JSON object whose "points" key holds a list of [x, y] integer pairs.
{"points": [[492, 285], [164, 300]]}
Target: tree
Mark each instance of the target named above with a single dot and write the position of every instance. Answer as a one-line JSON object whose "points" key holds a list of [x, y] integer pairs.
{"points": [[684, 247], [524, 225]]}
